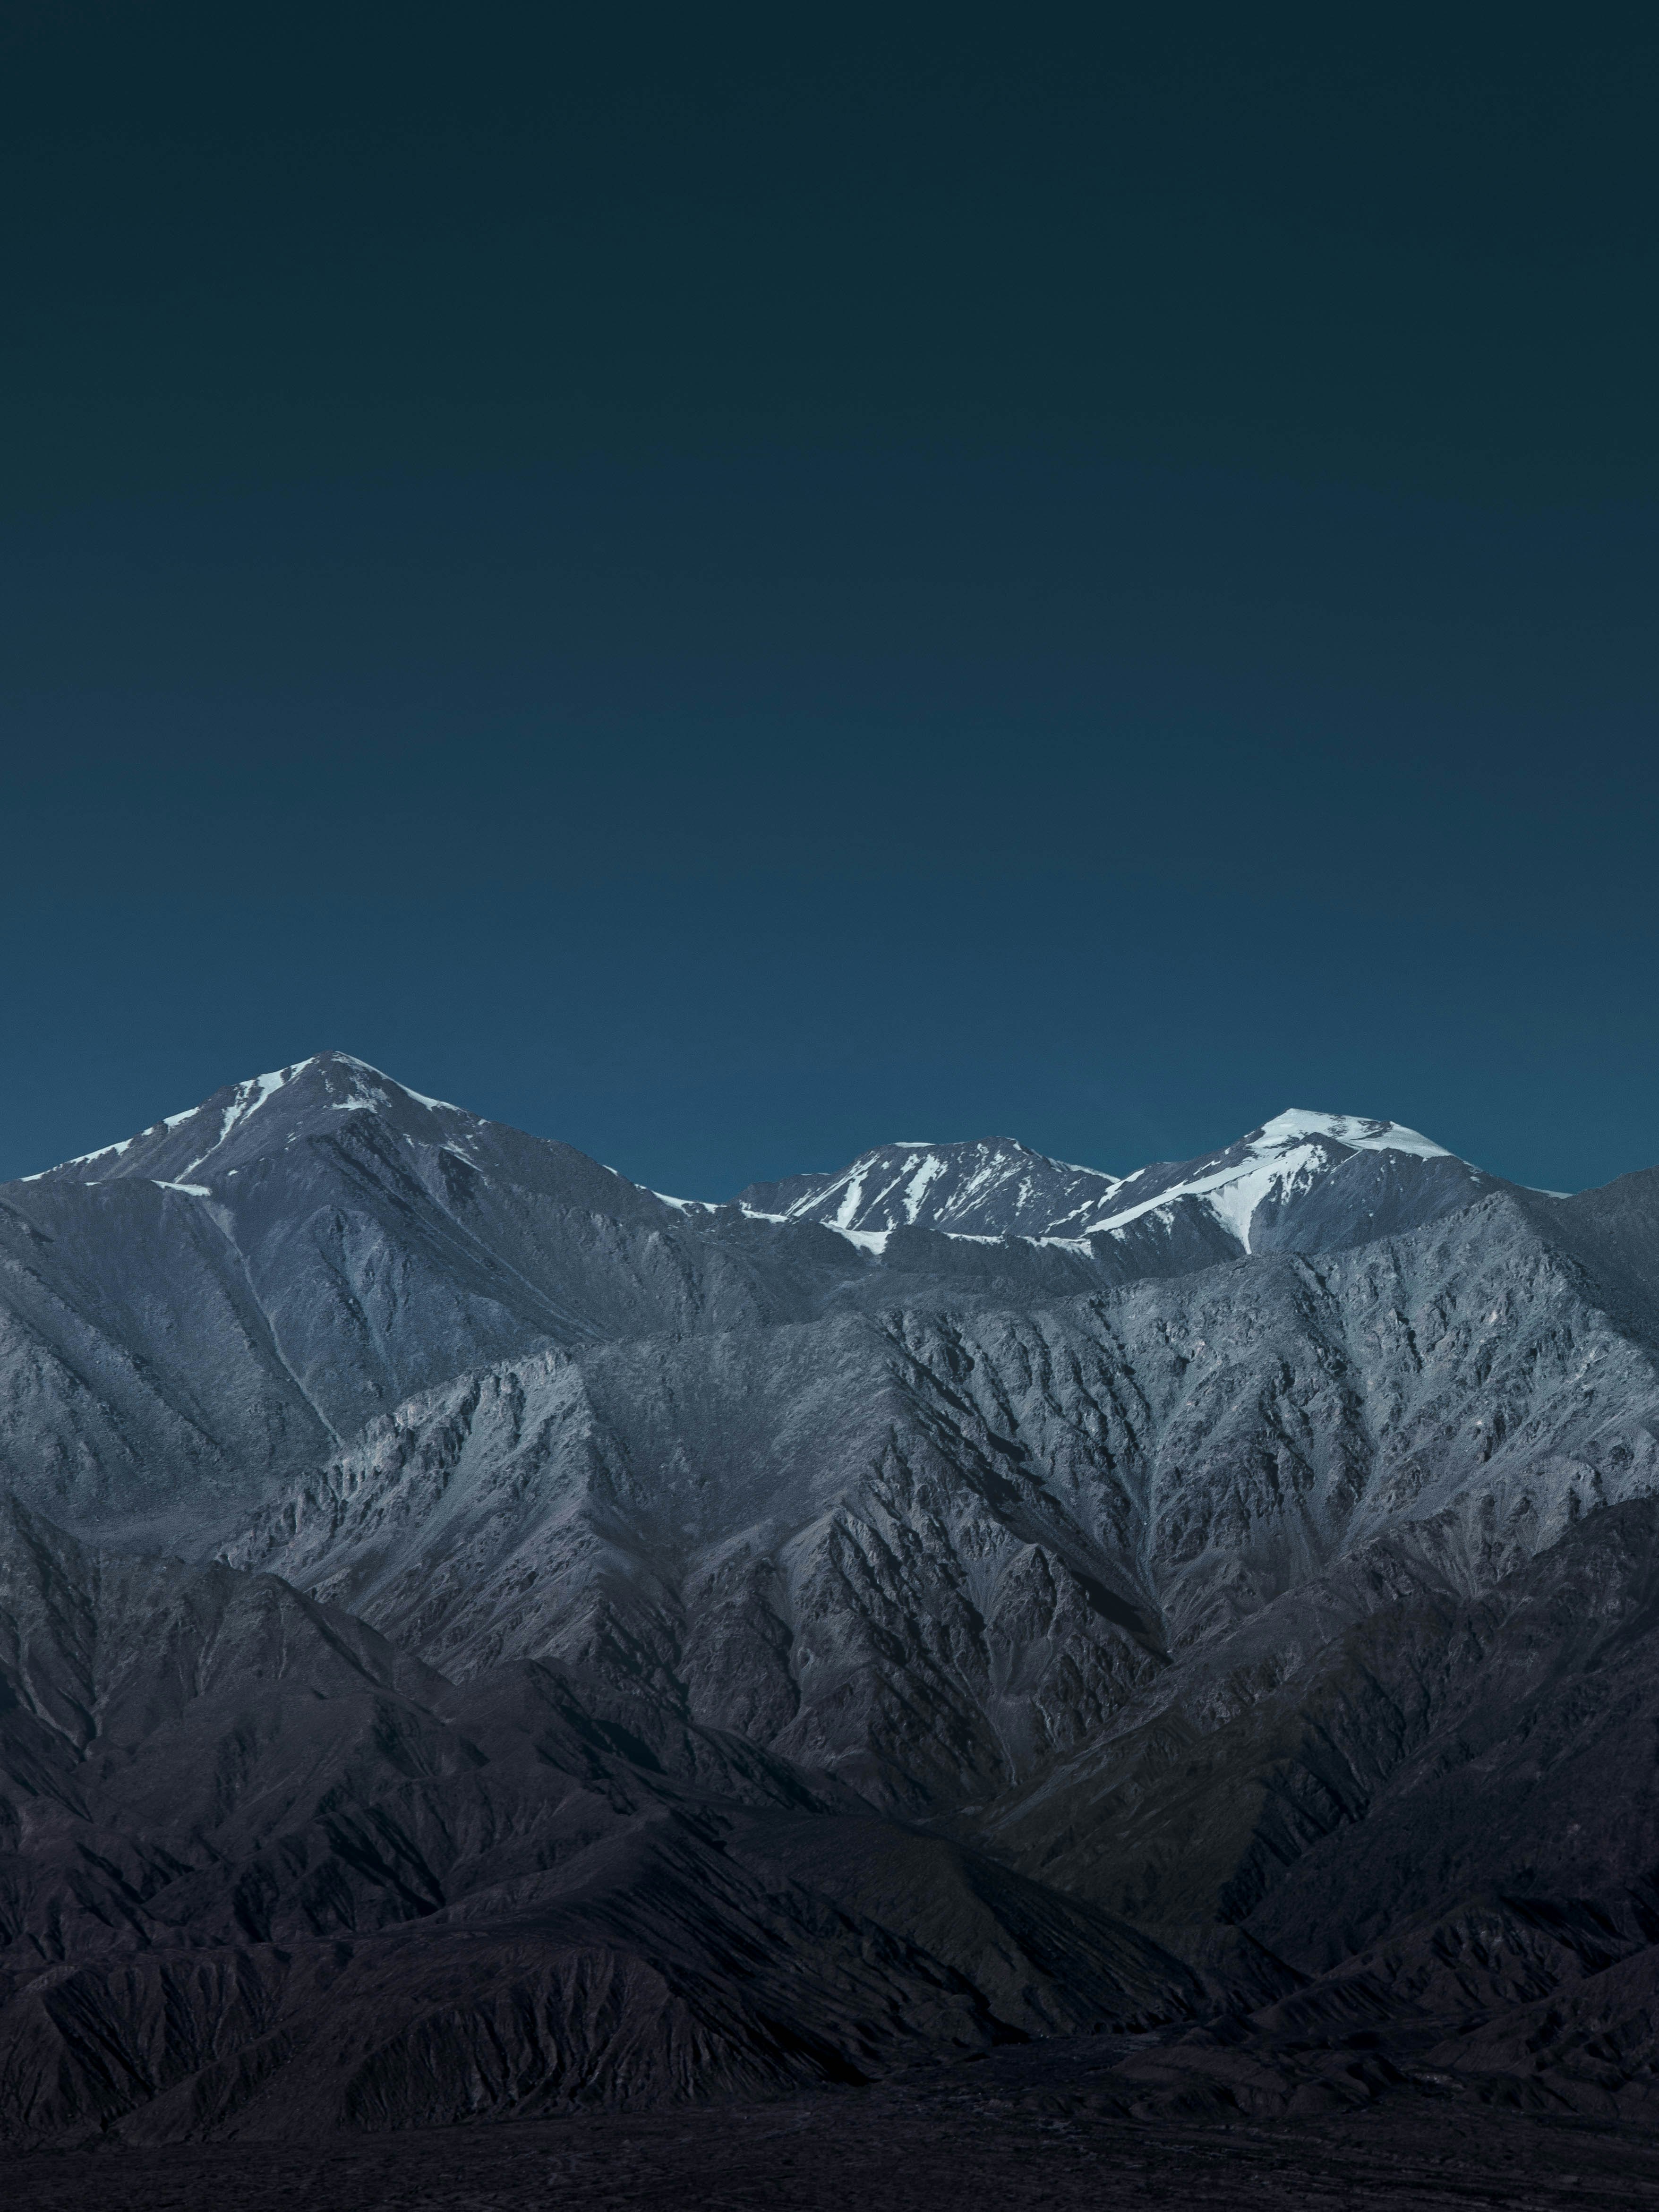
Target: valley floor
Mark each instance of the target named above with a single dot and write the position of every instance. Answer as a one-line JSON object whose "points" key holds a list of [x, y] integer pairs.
{"points": [[1017, 2129]]}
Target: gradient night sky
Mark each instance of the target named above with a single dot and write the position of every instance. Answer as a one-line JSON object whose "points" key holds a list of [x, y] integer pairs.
{"points": [[732, 586]]}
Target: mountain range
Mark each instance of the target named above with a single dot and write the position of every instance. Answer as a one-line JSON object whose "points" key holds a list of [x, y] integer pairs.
{"points": [[478, 1634]]}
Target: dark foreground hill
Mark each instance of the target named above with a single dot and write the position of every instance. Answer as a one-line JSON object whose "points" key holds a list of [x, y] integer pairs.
{"points": [[261, 1870], [1025, 2130], [478, 1638]]}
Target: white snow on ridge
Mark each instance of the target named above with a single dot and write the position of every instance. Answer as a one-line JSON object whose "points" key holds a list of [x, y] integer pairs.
{"points": [[1234, 1204], [437, 1105], [1354, 1130], [902, 1184], [916, 1189], [249, 1096], [867, 1240], [1040, 1200], [247, 1100], [1286, 1155], [82, 1160]]}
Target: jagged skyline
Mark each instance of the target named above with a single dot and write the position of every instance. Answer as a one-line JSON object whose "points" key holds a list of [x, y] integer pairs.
{"points": [[476, 1631], [1037, 620]]}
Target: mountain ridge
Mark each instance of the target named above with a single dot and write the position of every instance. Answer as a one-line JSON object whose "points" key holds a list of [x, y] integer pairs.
{"points": [[342, 1082], [966, 1187], [476, 1633], [230, 1294]]}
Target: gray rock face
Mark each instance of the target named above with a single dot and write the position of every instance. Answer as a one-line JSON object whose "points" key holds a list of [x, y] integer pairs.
{"points": [[1427, 1808], [928, 1551], [187, 1317], [676, 1647], [262, 1871], [195, 1316]]}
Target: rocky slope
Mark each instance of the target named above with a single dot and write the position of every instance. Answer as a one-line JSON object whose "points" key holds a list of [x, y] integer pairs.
{"points": [[927, 1550], [191, 1317], [186, 1316], [1433, 1805], [658, 1648], [259, 1867]]}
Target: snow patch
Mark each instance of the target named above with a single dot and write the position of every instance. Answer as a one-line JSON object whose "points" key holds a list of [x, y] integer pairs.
{"points": [[849, 1205], [867, 1240], [437, 1105], [930, 1172], [1354, 1130]]}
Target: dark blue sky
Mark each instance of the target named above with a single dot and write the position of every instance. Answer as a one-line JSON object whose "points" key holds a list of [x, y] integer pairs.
{"points": [[730, 599]]}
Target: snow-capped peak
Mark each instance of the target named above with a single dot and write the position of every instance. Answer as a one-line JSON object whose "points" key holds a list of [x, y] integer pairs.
{"points": [[1302, 1179], [1354, 1130], [1272, 1166], [263, 1108], [998, 1187], [994, 1184]]}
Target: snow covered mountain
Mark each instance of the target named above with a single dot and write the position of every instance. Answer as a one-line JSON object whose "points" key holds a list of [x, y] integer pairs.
{"points": [[197, 1151], [188, 1313], [994, 1187], [194, 1315], [578, 1581], [1304, 1182]]}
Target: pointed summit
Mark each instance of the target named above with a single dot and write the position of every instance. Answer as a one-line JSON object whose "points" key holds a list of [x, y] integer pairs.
{"points": [[1305, 1181], [250, 1120]]}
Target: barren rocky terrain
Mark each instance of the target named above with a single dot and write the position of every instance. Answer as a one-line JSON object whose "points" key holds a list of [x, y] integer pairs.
{"points": [[482, 1641]]}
